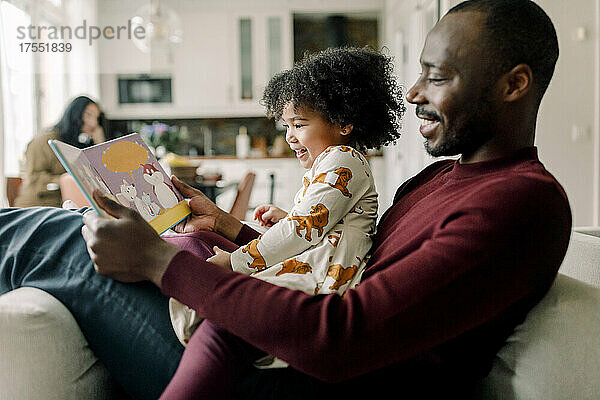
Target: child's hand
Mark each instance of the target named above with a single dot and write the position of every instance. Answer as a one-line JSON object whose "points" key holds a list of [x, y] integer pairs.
{"points": [[221, 258], [269, 215]]}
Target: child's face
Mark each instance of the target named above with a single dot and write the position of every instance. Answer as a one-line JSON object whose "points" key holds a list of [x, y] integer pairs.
{"points": [[309, 134]]}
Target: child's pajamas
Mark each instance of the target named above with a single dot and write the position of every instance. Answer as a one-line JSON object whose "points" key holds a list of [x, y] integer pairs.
{"points": [[322, 245]]}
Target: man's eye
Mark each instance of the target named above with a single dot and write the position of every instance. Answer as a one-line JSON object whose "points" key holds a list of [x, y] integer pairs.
{"points": [[298, 126], [437, 81]]}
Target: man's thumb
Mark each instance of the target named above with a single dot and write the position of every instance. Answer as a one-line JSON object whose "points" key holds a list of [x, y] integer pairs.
{"points": [[113, 208], [186, 190]]}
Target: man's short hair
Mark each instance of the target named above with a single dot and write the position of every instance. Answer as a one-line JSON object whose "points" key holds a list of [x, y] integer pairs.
{"points": [[518, 31]]}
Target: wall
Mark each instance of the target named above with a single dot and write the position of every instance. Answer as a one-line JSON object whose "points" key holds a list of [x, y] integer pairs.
{"points": [[407, 23], [568, 132]]}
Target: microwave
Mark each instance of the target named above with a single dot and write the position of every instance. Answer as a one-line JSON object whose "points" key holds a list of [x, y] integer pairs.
{"points": [[144, 89]]}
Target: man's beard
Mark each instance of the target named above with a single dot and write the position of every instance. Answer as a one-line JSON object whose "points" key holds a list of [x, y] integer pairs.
{"points": [[465, 143], [465, 137]]}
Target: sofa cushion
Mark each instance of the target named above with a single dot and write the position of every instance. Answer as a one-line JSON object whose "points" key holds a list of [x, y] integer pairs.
{"points": [[582, 260], [555, 353], [44, 354]]}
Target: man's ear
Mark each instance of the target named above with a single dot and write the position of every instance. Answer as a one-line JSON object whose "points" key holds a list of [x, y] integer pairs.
{"points": [[346, 129], [517, 82]]}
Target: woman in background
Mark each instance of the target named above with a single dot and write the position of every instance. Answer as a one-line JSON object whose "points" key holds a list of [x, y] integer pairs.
{"points": [[80, 126]]}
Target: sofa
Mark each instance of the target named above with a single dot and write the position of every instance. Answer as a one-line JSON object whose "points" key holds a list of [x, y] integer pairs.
{"points": [[553, 354]]}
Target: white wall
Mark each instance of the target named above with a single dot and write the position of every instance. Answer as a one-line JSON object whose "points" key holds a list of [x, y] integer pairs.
{"points": [[82, 63], [406, 26], [568, 132]]}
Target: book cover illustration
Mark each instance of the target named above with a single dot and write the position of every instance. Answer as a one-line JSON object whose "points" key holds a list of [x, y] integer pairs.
{"points": [[126, 170]]}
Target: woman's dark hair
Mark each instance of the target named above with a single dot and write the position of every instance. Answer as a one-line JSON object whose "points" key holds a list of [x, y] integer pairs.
{"points": [[69, 126], [346, 85]]}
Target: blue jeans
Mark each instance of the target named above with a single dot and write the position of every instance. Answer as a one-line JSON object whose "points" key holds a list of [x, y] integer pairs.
{"points": [[127, 325]]}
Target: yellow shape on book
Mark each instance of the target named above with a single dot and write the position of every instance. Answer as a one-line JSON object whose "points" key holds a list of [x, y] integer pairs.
{"points": [[170, 217], [124, 157]]}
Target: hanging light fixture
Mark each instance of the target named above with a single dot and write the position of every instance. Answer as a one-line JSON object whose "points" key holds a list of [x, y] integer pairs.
{"points": [[162, 26]]}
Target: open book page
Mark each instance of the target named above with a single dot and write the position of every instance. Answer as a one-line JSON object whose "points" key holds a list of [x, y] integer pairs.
{"points": [[80, 168], [131, 173]]}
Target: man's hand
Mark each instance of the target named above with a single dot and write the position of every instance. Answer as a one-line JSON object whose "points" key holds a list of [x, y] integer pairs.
{"points": [[269, 215], [222, 258], [126, 248], [205, 214]]}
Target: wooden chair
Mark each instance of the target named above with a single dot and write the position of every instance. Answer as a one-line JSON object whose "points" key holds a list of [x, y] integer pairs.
{"points": [[70, 191], [13, 185], [240, 204]]}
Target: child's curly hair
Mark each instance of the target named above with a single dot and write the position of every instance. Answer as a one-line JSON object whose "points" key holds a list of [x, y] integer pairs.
{"points": [[346, 85]]}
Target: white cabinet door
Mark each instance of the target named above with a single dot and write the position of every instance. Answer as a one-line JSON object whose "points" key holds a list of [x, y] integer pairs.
{"points": [[263, 43]]}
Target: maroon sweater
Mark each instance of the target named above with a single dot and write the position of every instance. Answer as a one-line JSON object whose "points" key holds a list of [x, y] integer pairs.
{"points": [[457, 262]]}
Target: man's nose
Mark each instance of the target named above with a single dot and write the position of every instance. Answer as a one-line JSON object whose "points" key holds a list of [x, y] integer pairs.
{"points": [[414, 94]]}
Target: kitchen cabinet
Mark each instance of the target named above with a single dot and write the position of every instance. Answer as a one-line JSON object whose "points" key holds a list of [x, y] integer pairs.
{"points": [[219, 47], [263, 47]]}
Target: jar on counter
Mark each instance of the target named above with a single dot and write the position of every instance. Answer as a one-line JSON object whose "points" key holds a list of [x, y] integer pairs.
{"points": [[242, 143]]}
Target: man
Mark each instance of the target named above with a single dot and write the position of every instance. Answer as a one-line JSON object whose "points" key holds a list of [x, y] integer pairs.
{"points": [[465, 251]]}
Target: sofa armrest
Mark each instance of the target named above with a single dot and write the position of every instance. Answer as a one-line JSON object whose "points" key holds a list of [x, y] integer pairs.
{"points": [[582, 260], [44, 354], [555, 352]]}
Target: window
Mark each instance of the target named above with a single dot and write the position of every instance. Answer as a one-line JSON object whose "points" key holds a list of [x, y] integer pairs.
{"points": [[34, 83], [51, 83], [16, 70]]}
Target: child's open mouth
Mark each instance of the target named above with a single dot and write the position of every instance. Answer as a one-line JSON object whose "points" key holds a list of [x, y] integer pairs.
{"points": [[300, 152]]}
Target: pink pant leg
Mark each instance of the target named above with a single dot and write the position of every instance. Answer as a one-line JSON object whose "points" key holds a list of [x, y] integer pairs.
{"points": [[200, 243], [213, 356], [210, 363]]}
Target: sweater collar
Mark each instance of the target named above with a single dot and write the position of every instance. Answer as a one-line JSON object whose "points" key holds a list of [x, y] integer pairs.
{"points": [[461, 171]]}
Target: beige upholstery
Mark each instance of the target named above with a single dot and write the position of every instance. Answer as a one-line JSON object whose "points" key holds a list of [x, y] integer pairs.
{"points": [[555, 353], [43, 355]]}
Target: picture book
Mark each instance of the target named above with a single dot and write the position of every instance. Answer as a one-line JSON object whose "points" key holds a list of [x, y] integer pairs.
{"points": [[128, 172]]}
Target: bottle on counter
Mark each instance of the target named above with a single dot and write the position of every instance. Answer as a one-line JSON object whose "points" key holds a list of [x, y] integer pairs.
{"points": [[242, 143]]}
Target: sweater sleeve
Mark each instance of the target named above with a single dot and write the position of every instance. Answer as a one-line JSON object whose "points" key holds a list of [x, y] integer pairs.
{"points": [[245, 235], [468, 272], [340, 180]]}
